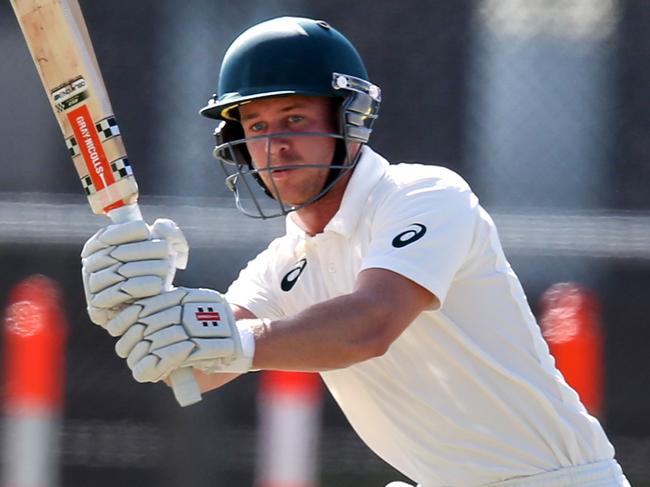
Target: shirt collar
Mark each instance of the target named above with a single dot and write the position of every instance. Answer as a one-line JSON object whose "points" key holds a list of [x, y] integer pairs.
{"points": [[367, 173]]}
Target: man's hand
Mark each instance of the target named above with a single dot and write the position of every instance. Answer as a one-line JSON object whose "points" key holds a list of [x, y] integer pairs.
{"points": [[128, 261], [182, 328]]}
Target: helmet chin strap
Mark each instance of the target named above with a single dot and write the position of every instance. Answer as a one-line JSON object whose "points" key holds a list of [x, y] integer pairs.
{"points": [[340, 154]]}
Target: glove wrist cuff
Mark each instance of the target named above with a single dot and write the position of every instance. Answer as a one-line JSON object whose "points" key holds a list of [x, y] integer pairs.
{"points": [[247, 338]]}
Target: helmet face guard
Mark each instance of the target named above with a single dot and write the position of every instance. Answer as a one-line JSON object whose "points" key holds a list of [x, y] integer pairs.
{"points": [[282, 57], [356, 115], [245, 179]]}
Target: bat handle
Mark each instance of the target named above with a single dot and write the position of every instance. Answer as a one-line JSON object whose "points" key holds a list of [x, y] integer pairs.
{"points": [[186, 389], [126, 213]]}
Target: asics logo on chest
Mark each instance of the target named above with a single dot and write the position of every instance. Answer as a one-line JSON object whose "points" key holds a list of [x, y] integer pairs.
{"points": [[290, 278], [415, 232]]}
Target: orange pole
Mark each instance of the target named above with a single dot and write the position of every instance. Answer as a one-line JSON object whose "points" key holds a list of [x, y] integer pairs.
{"points": [[289, 427], [570, 321], [34, 341]]}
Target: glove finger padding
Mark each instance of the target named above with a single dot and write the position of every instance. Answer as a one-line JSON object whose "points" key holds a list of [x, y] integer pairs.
{"points": [[125, 262], [156, 366], [117, 321], [101, 316], [118, 324], [158, 268], [138, 251], [180, 328], [162, 319], [127, 342], [139, 352], [104, 278], [208, 349], [134, 231], [99, 260], [167, 336], [126, 291], [169, 231], [112, 297], [162, 302]]}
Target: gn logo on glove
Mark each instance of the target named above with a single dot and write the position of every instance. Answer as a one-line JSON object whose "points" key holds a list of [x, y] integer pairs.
{"points": [[204, 320], [208, 317]]}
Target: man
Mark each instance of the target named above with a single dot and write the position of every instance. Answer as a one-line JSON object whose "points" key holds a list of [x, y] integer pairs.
{"points": [[390, 281]]}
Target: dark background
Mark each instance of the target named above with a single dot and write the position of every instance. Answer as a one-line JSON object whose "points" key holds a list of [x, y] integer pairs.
{"points": [[541, 106]]}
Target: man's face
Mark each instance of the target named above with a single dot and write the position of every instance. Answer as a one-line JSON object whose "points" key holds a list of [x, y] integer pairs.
{"points": [[287, 115]]}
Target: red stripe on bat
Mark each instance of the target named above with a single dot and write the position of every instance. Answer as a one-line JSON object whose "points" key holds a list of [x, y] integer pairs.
{"points": [[91, 148], [208, 316], [112, 206]]}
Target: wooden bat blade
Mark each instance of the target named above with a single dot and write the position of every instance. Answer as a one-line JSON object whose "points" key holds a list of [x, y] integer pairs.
{"points": [[60, 46]]}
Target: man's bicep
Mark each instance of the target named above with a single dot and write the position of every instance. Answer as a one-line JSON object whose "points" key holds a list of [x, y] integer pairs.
{"points": [[400, 298], [427, 239]]}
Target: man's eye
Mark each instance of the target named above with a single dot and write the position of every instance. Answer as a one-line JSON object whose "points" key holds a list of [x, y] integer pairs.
{"points": [[296, 118], [256, 127]]}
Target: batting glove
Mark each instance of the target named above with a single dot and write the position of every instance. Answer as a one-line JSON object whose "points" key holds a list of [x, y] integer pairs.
{"points": [[129, 261], [182, 328]]}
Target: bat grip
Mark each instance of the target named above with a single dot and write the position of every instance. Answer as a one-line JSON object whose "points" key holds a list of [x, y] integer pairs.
{"points": [[186, 389]]}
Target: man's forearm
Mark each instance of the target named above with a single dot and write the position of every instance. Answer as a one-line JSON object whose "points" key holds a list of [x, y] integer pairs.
{"points": [[344, 330], [329, 335]]}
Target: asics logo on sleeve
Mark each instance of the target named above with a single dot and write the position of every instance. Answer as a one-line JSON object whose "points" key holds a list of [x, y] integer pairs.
{"points": [[410, 235], [290, 278]]}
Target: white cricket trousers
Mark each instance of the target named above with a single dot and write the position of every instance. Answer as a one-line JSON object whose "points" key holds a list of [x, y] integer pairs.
{"points": [[606, 473]]}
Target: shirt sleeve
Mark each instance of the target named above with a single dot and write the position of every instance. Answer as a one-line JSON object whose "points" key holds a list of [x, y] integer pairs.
{"points": [[424, 231], [253, 288]]}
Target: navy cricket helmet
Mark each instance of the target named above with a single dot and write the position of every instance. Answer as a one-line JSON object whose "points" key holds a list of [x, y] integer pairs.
{"points": [[280, 57]]}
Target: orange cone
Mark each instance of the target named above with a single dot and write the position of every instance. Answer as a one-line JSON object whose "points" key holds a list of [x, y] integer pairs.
{"points": [[289, 428], [34, 342], [570, 321]]}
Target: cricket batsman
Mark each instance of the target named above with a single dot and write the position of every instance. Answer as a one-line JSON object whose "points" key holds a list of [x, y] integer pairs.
{"points": [[390, 282]]}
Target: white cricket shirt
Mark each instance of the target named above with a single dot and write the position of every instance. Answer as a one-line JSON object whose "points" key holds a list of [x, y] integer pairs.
{"points": [[468, 394]]}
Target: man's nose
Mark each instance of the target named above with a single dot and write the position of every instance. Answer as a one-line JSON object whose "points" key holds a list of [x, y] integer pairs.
{"points": [[277, 145]]}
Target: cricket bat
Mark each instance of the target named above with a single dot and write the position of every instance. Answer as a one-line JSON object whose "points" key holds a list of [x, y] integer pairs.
{"points": [[62, 51]]}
